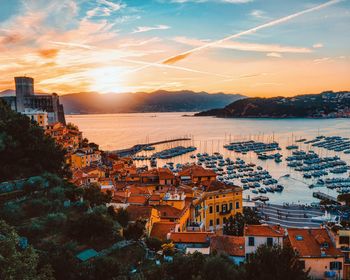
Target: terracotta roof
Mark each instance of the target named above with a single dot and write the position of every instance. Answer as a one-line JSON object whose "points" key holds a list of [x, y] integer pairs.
{"points": [[308, 242], [263, 230], [137, 199], [196, 171], [165, 173], [154, 197], [139, 212], [231, 245], [191, 237], [212, 186], [167, 211], [161, 229]]}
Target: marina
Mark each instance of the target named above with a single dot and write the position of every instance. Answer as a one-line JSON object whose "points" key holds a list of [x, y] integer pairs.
{"points": [[293, 169]]}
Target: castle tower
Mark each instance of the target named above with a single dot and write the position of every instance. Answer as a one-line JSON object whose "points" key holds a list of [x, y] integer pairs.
{"points": [[24, 87]]}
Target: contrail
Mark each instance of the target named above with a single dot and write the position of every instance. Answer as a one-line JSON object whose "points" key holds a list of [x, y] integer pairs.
{"points": [[183, 55]]}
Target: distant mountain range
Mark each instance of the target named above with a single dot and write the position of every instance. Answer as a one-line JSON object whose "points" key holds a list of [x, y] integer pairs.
{"points": [[157, 101], [323, 105]]}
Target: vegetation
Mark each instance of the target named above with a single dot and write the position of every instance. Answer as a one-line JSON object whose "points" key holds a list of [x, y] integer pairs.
{"points": [[312, 105], [24, 148], [235, 224]]}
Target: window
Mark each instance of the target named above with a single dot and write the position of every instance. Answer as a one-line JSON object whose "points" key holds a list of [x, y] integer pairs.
{"points": [[218, 221], [325, 245], [344, 240], [230, 206], [269, 241], [299, 238], [211, 223], [224, 207], [210, 209], [210, 197], [217, 208], [302, 264], [251, 241], [335, 265], [237, 205]]}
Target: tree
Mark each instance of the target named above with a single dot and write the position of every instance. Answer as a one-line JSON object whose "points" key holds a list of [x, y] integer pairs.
{"points": [[94, 195], [235, 224], [154, 243], [27, 150], [219, 267], [93, 228], [135, 230], [17, 262], [121, 216], [168, 249], [274, 263]]}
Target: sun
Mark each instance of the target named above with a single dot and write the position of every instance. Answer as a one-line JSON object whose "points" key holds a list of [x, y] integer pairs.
{"points": [[106, 79]]}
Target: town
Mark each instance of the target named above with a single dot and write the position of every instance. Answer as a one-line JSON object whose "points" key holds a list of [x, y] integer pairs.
{"points": [[169, 213]]}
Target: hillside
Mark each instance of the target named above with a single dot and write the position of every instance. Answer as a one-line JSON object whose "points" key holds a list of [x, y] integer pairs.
{"points": [[158, 101], [326, 104]]}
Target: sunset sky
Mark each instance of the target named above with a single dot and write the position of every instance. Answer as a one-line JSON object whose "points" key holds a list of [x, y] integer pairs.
{"points": [[203, 45]]}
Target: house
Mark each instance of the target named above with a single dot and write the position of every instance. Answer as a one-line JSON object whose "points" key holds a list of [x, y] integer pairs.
{"points": [[196, 174], [233, 246], [146, 213], [171, 214], [215, 204], [161, 230], [257, 235], [317, 252], [190, 242]]}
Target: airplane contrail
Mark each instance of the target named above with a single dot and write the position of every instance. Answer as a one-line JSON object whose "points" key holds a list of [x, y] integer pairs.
{"points": [[183, 55]]}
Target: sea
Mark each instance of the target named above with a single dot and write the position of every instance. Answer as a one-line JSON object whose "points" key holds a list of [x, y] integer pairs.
{"points": [[210, 134]]}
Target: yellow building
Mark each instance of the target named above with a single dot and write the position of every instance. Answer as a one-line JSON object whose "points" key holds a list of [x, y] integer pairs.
{"points": [[216, 204]]}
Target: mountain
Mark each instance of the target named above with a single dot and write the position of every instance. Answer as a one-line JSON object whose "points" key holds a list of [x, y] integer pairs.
{"points": [[158, 101], [325, 104], [7, 92]]}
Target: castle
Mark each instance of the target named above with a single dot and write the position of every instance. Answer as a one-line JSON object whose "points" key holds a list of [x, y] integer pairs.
{"points": [[28, 103]]}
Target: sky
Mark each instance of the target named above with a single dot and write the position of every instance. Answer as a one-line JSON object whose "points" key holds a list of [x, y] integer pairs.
{"points": [[254, 47]]}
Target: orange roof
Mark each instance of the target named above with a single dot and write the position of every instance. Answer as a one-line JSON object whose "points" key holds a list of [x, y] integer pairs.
{"points": [[191, 237], [137, 199], [308, 242], [196, 171], [165, 173], [139, 212], [167, 211], [155, 197], [212, 186], [231, 245], [263, 230], [161, 229]]}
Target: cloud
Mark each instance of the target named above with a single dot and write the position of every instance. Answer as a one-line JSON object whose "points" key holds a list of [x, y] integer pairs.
{"points": [[242, 46], [105, 8], [217, 1], [273, 54], [140, 29], [321, 60], [317, 46], [48, 53], [258, 14]]}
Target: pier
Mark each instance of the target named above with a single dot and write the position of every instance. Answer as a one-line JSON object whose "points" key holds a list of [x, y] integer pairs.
{"points": [[139, 147], [323, 196]]}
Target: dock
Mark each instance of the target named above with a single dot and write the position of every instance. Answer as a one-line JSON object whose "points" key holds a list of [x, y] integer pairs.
{"points": [[139, 147], [323, 196]]}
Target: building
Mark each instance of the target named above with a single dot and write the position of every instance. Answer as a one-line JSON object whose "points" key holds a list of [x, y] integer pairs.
{"points": [[317, 252], [25, 99], [257, 235], [341, 239], [215, 204], [232, 246], [41, 117], [190, 242]]}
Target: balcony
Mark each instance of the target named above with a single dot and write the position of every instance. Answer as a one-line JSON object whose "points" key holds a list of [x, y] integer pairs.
{"points": [[225, 212]]}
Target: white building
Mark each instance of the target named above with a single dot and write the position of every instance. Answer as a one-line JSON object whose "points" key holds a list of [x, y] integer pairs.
{"points": [[257, 235], [41, 117]]}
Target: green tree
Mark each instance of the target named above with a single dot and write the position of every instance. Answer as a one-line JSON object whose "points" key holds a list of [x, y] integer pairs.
{"points": [[18, 263], [135, 230], [274, 263], [235, 224], [94, 195], [154, 243], [27, 150], [122, 216]]}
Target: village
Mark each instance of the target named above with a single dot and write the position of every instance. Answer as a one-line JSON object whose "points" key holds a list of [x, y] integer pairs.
{"points": [[192, 210]]}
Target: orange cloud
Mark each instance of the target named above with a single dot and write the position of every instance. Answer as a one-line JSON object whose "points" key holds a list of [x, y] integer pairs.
{"points": [[48, 53], [177, 58]]}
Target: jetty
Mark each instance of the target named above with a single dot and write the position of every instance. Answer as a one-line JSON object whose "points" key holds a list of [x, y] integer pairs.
{"points": [[323, 196], [139, 147]]}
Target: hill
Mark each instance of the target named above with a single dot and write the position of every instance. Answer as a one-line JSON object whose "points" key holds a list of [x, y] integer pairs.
{"points": [[158, 101], [323, 105]]}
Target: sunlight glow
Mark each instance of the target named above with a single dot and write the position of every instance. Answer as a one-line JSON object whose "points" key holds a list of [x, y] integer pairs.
{"points": [[106, 79]]}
